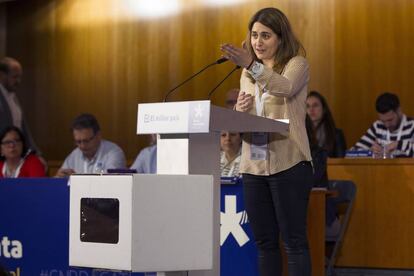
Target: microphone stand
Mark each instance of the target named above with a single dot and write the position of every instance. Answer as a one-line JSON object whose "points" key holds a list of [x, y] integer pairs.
{"points": [[219, 61], [228, 75]]}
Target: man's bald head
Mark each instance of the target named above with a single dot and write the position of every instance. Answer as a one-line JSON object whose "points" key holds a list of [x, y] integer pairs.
{"points": [[10, 73]]}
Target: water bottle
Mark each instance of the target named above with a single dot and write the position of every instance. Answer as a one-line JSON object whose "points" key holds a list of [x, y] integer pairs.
{"points": [[382, 142], [99, 168]]}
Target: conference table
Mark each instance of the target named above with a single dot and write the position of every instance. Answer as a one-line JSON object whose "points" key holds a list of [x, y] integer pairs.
{"points": [[381, 229]]}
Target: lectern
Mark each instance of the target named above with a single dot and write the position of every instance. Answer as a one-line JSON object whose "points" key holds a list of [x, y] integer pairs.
{"points": [[188, 147]]}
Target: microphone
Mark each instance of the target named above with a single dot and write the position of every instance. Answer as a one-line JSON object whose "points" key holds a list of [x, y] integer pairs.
{"points": [[225, 78], [219, 61]]}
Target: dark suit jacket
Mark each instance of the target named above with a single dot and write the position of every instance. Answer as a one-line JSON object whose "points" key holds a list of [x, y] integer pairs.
{"points": [[5, 113], [6, 120]]}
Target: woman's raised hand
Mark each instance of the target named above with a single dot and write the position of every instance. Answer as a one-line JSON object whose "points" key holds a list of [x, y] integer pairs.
{"points": [[239, 56]]}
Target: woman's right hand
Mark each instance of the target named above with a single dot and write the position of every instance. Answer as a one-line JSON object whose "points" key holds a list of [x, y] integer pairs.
{"points": [[244, 102]]}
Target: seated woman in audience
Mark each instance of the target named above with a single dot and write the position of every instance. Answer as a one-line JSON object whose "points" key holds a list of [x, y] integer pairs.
{"points": [[319, 157], [230, 143], [320, 177], [16, 159], [324, 131]]}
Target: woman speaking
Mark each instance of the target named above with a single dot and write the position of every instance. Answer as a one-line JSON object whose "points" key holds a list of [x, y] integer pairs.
{"points": [[277, 172]]}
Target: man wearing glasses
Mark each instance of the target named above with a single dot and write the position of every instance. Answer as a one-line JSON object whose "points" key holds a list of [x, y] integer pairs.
{"points": [[93, 154]]}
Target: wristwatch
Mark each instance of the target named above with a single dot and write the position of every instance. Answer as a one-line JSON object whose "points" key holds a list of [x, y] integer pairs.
{"points": [[256, 69]]}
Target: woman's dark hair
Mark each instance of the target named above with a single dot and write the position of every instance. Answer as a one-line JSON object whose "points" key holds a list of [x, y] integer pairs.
{"points": [[311, 133], [327, 123], [289, 46], [8, 129]]}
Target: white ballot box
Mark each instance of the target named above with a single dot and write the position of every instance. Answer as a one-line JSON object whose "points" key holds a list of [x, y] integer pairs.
{"points": [[141, 222]]}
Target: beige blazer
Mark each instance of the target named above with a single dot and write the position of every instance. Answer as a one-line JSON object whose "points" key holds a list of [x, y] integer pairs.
{"points": [[286, 99]]}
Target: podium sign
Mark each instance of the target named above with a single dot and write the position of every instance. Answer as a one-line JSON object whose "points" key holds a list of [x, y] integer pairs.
{"points": [[174, 117], [192, 117]]}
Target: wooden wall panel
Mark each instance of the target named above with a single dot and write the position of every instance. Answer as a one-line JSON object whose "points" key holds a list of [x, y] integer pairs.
{"points": [[3, 28], [89, 56], [82, 56], [373, 54]]}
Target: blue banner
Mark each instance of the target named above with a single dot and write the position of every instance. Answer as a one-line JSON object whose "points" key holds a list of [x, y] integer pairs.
{"points": [[238, 250], [34, 231]]}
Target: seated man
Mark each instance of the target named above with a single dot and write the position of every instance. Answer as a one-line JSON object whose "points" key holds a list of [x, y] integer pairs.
{"points": [[93, 154], [392, 134], [230, 144], [146, 161]]}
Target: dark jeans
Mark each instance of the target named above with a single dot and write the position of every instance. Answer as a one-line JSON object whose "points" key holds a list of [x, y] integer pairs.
{"points": [[277, 204]]}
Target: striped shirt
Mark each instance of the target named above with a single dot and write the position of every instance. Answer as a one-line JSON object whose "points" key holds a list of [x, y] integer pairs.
{"points": [[229, 168], [379, 134]]}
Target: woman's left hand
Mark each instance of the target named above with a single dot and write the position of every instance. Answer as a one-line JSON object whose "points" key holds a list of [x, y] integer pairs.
{"points": [[244, 102], [239, 56]]}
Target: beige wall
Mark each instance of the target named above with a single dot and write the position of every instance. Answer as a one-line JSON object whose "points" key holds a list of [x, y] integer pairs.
{"points": [[80, 56]]}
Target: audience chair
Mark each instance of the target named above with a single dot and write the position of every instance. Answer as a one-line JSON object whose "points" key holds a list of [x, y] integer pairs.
{"points": [[345, 192]]}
